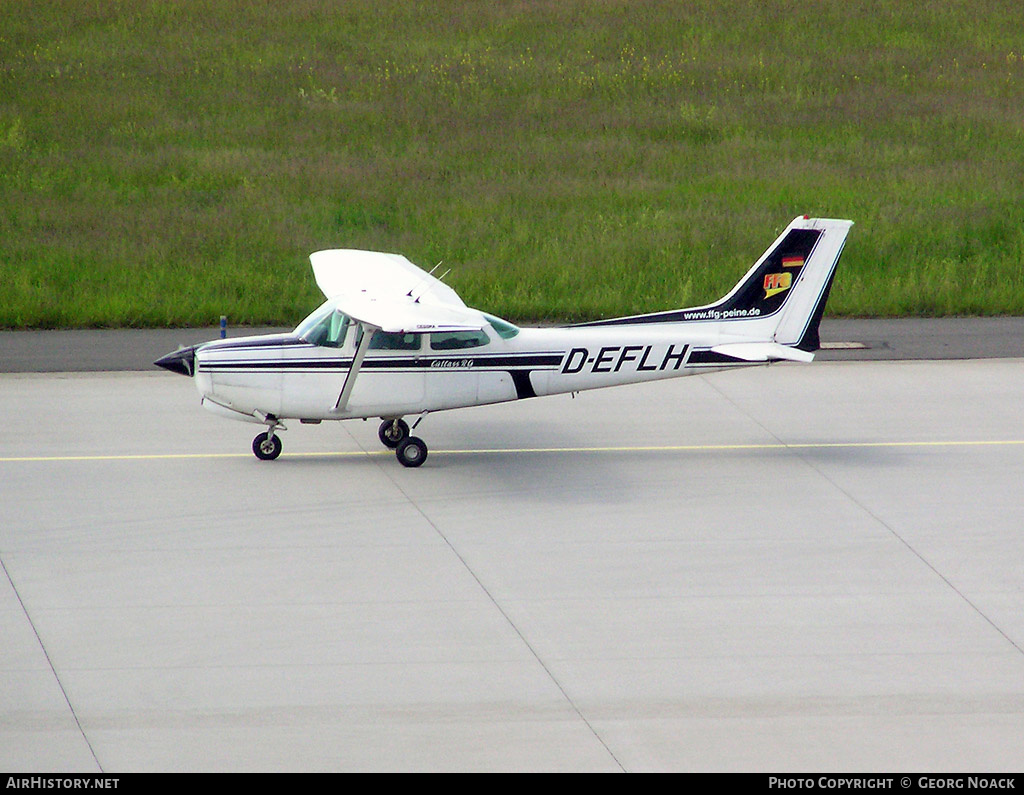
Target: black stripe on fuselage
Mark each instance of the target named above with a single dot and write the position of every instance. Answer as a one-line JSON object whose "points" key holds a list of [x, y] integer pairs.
{"points": [[256, 344], [485, 362]]}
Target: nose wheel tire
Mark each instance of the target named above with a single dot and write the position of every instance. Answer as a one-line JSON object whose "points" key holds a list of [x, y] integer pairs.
{"points": [[267, 447], [411, 452], [393, 432]]}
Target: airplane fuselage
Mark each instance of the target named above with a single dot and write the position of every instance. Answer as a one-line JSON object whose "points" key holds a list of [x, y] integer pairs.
{"points": [[291, 378]]}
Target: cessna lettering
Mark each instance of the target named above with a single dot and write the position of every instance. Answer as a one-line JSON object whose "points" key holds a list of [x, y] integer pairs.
{"points": [[451, 364], [392, 341]]}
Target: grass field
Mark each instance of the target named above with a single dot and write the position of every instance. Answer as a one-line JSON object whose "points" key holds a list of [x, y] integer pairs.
{"points": [[163, 163]]}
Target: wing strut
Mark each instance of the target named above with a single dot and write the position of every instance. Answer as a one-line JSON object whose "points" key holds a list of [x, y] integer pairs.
{"points": [[357, 363]]}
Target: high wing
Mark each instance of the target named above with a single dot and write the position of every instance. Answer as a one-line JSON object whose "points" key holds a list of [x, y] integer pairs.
{"points": [[388, 292]]}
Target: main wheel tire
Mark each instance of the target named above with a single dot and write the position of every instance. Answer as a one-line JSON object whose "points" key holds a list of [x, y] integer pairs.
{"points": [[411, 452], [393, 432], [267, 447]]}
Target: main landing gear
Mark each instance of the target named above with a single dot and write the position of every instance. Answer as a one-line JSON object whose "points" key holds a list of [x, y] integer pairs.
{"points": [[411, 451], [393, 432]]}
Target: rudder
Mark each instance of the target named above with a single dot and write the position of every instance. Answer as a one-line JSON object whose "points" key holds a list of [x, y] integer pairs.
{"points": [[800, 318]]}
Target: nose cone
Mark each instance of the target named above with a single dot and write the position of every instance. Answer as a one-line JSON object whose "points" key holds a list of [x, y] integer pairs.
{"points": [[181, 361]]}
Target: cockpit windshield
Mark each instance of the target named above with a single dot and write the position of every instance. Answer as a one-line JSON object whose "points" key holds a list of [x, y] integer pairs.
{"points": [[326, 327]]}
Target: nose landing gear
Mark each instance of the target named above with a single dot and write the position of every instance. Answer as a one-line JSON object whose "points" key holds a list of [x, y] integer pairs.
{"points": [[267, 446]]}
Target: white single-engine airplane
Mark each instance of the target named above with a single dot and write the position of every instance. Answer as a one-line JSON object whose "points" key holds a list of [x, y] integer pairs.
{"points": [[393, 341]]}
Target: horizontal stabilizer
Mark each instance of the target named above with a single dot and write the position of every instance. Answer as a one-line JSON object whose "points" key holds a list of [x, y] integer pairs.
{"points": [[763, 352]]}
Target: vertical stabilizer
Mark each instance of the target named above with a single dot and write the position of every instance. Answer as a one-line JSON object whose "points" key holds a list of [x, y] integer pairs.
{"points": [[781, 298]]}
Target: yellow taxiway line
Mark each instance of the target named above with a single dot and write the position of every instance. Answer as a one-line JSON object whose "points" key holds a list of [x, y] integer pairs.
{"points": [[701, 448]]}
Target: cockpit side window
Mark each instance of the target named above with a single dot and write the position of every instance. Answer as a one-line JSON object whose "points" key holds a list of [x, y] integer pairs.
{"points": [[394, 341], [457, 340], [505, 329]]}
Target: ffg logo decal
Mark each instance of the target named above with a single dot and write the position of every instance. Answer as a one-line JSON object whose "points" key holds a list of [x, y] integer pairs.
{"points": [[775, 283]]}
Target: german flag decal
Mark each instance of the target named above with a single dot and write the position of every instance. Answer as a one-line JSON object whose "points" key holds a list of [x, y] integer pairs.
{"points": [[775, 283], [792, 262]]}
